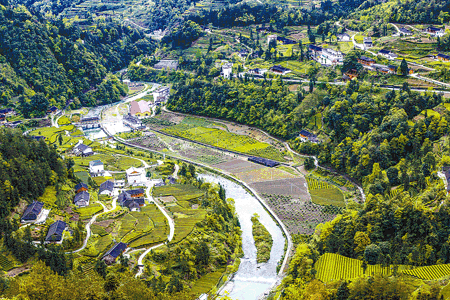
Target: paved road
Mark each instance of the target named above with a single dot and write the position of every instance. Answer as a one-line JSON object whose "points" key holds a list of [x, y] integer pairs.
{"points": [[171, 222], [91, 221], [396, 28]]}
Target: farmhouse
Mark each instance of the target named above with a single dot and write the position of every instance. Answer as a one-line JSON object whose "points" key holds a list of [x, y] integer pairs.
{"points": [[136, 176], [96, 168], [161, 95], [140, 109], [106, 188], [82, 150], [81, 187], [133, 199], [433, 31], [344, 37], [272, 37], [168, 64], [32, 212], [82, 199], [367, 61], [52, 109], [306, 136], [133, 122], [405, 31], [388, 54], [90, 120], [7, 111], [263, 161], [367, 42], [257, 71], [350, 74], [331, 57], [286, 41], [443, 57], [392, 68], [119, 183], [382, 68], [55, 232], [314, 51], [243, 53], [227, 69], [280, 70], [113, 253]]}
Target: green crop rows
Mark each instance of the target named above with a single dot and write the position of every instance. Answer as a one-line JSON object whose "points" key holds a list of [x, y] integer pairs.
{"points": [[5, 263], [331, 266], [323, 193], [226, 140], [430, 272]]}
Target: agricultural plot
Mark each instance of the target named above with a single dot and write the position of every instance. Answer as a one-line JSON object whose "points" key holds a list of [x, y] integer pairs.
{"points": [[238, 166], [331, 266], [110, 161], [300, 217], [207, 282], [5, 263], [150, 227], [185, 220], [295, 187], [89, 211], [150, 141], [264, 174], [226, 140], [182, 192], [429, 272], [323, 193]]}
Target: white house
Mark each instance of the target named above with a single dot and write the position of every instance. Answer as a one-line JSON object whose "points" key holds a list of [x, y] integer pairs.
{"points": [[227, 69], [433, 31], [136, 176], [343, 37], [368, 43], [331, 57], [106, 188], [82, 150], [388, 54], [119, 184], [96, 168], [161, 94], [272, 37]]}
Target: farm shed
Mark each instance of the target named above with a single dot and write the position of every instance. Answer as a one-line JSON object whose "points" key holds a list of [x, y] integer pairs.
{"points": [[263, 161], [113, 253]]}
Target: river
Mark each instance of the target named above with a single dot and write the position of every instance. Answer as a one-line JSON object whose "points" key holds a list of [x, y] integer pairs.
{"points": [[252, 279]]}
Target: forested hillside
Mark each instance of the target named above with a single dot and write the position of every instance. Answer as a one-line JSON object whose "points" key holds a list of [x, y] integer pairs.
{"points": [[27, 167], [48, 63]]}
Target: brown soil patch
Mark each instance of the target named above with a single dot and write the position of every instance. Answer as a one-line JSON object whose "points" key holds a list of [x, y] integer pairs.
{"points": [[167, 199], [238, 166], [298, 36], [104, 223], [17, 271], [295, 187]]}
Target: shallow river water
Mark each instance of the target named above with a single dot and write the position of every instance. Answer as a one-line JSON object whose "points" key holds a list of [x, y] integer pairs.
{"points": [[252, 279]]}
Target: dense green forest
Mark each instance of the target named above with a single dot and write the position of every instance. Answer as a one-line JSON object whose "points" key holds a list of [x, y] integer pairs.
{"points": [[47, 63]]}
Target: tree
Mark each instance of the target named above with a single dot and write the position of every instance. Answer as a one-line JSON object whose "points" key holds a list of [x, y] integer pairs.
{"points": [[361, 240], [371, 254], [404, 68], [60, 139], [202, 254], [343, 291], [111, 283], [309, 163], [100, 268]]}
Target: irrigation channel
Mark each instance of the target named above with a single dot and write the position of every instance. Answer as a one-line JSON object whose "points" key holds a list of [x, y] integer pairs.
{"points": [[252, 279]]}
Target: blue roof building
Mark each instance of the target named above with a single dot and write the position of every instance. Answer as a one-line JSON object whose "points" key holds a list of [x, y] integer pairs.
{"points": [[55, 232], [32, 212], [106, 188], [113, 253], [263, 161], [81, 199]]}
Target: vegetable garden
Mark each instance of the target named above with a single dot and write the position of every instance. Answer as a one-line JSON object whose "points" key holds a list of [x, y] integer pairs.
{"points": [[323, 193]]}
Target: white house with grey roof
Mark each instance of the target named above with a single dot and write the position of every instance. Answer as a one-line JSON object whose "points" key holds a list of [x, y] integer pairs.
{"points": [[82, 150], [96, 168]]}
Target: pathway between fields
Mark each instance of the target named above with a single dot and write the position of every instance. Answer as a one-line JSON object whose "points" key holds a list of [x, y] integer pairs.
{"points": [[140, 261], [91, 221]]}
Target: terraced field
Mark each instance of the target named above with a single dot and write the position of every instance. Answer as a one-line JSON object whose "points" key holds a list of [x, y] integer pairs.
{"points": [[225, 140], [5, 263], [331, 266], [323, 193]]}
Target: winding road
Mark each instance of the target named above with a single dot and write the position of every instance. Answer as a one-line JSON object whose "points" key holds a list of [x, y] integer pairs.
{"points": [[91, 221]]}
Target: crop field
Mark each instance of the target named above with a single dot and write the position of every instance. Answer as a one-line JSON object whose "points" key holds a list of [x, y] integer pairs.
{"points": [[149, 227], [300, 217], [83, 176], [89, 211], [226, 140], [207, 282], [323, 193], [63, 121], [332, 266], [185, 220], [151, 141], [5, 263], [294, 187], [112, 162], [182, 192], [264, 174], [429, 272], [238, 166]]}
